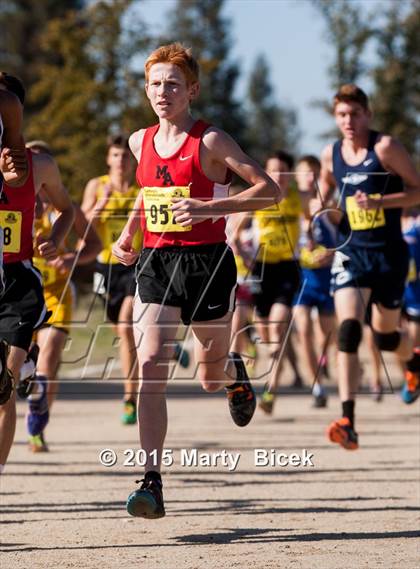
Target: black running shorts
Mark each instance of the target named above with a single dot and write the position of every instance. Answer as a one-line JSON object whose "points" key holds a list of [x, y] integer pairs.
{"points": [[201, 280], [114, 282], [22, 306], [274, 283]]}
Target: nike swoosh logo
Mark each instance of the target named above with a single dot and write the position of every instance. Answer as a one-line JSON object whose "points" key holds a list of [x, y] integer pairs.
{"points": [[367, 162], [182, 158], [213, 307]]}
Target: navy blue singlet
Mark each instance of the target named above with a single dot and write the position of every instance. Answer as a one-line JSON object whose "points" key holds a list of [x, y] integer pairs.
{"points": [[372, 228]]}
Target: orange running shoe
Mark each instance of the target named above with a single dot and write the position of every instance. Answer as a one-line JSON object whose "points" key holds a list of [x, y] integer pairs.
{"points": [[342, 433], [411, 387]]}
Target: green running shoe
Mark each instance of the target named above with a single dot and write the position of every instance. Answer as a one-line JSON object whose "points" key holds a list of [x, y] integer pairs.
{"points": [[129, 416], [267, 401], [147, 501]]}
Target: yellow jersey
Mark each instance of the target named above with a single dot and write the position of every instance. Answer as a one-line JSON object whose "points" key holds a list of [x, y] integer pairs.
{"points": [[277, 229], [113, 218]]}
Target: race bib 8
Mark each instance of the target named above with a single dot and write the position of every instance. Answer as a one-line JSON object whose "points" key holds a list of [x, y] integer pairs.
{"points": [[11, 223], [157, 207], [361, 219]]}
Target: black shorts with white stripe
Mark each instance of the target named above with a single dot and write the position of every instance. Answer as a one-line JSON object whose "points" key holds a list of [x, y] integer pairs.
{"points": [[22, 306], [199, 279]]}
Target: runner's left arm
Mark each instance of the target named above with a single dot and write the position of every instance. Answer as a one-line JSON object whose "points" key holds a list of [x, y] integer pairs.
{"points": [[219, 147], [394, 158], [88, 246], [46, 173]]}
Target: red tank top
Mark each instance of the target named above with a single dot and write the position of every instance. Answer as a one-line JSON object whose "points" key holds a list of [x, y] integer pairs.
{"points": [[17, 207], [183, 168]]}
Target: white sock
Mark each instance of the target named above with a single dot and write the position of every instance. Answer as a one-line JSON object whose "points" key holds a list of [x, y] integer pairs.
{"points": [[27, 370], [38, 390], [317, 390]]}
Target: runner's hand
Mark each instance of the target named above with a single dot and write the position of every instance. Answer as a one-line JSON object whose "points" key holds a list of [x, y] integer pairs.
{"points": [[64, 263], [365, 201], [124, 252], [13, 165], [46, 248], [189, 211], [324, 258]]}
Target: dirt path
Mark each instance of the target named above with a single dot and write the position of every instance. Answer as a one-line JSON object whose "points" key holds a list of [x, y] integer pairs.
{"points": [[352, 509]]}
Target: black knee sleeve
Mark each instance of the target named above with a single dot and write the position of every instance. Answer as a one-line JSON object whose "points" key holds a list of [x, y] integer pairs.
{"points": [[349, 336], [387, 342]]}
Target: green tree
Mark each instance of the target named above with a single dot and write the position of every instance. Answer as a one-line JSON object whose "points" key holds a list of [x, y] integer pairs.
{"points": [[349, 29], [201, 25], [23, 24], [86, 87], [396, 98], [269, 126]]}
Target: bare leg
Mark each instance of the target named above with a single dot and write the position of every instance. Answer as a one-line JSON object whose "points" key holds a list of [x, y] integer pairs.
{"points": [[302, 315], [8, 410], [211, 348], [350, 303], [155, 328], [239, 322], [51, 343], [279, 322], [375, 381], [128, 356]]}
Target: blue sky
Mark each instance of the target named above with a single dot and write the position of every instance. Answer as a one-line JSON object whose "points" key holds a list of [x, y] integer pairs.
{"points": [[291, 34]]}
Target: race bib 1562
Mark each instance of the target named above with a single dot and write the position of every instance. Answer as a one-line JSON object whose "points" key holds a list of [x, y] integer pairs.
{"points": [[361, 219]]}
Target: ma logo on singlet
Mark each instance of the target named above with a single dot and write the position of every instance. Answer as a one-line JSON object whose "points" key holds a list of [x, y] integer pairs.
{"points": [[163, 172]]}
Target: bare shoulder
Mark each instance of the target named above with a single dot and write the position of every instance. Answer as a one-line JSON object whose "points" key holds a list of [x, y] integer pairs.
{"points": [[8, 103], [92, 184], [390, 152], [213, 137], [46, 172], [44, 164], [135, 142], [385, 144], [395, 158]]}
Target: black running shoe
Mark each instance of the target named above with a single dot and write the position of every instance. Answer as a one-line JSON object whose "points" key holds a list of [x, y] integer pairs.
{"points": [[6, 383], [241, 395], [298, 382], [147, 501], [25, 386], [320, 401]]}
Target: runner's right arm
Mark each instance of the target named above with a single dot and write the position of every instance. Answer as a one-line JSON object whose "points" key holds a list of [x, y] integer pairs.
{"points": [[13, 159], [327, 185], [88, 246], [122, 249], [91, 206]]}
